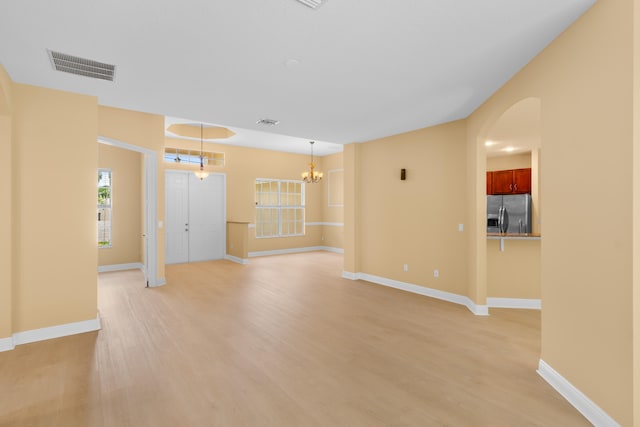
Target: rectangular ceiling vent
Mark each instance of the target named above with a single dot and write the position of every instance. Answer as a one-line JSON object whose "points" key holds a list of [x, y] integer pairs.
{"points": [[81, 66], [313, 4], [267, 122]]}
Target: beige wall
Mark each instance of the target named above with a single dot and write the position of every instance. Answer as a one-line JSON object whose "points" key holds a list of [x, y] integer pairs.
{"points": [[146, 131], [6, 203], [636, 213], [126, 224], [514, 272], [333, 201], [516, 161], [415, 221], [584, 80], [54, 247], [238, 239], [352, 208]]}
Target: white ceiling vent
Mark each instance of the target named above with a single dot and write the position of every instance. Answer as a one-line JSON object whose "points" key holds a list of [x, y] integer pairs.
{"points": [[267, 122], [81, 66], [313, 4]]}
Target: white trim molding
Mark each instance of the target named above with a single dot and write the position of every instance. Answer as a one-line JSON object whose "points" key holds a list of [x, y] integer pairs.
{"points": [[478, 310], [575, 397], [50, 332], [311, 224], [530, 304], [236, 259], [159, 282], [295, 251], [330, 249], [6, 344], [120, 267]]}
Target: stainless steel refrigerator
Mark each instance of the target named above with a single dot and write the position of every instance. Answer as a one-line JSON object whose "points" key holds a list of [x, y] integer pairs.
{"points": [[509, 213]]}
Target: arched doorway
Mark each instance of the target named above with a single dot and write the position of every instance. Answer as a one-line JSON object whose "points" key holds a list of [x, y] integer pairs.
{"points": [[513, 143]]}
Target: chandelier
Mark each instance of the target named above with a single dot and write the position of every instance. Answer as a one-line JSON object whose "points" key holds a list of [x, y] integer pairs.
{"points": [[201, 173], [312, 176]]}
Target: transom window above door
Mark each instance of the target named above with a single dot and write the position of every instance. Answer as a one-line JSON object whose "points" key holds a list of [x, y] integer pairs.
{"points": [[192, 157]]}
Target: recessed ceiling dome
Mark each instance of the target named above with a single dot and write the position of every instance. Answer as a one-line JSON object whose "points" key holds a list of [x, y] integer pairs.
{"points": [[192, 130]]}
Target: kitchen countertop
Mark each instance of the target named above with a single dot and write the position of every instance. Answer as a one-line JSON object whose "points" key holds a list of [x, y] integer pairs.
{"points": [[514, 236]]}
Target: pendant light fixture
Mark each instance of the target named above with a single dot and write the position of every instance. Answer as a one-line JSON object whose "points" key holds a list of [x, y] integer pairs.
{"points": [[201, 173], [311, 177]]}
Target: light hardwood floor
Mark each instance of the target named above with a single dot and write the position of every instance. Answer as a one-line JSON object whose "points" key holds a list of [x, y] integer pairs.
{"points": [[283, 341]]}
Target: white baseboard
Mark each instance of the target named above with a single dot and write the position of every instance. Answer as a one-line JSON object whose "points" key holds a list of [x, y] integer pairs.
{"points": [[6, 344], [478, 310], [159, 282], [120, 267], [531, 304], [50, 332], [295, 251], [236, 259], [349, 275], [575, 397], [330, 249]]}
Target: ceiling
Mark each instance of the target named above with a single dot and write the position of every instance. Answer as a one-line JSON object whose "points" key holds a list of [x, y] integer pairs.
{"points": [[349, 71]]}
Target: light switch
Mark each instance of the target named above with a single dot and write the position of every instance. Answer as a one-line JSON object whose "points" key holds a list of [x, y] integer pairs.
{"points": [[460, 227], [160, 224]]}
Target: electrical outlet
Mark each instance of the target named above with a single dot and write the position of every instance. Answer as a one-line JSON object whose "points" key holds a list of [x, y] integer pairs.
{"points": [[406, 267], [436, 273]]}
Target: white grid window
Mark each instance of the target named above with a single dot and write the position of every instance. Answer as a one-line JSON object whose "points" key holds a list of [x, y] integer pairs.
{"points": [[279, 208], [104, 208]]}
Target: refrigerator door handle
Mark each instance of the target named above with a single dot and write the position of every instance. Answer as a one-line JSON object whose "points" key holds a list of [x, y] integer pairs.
{"points": [[503, 219]]}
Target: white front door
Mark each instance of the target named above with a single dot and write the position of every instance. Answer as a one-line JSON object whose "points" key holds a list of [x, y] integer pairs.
{"points": [[177, 217], [195, 217], [206, 218]]}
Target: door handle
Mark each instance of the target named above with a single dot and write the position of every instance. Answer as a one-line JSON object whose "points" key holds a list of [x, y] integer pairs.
{"points": [[510, 187], [515, 187]]}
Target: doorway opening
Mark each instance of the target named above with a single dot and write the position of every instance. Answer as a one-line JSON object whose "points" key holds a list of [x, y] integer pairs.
{"points": [[149, 208], [513, 150]]}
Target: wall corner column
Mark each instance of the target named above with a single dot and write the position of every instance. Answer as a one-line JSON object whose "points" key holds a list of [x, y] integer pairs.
{"points": [[6, 211], [351, 208], [476, 214]]}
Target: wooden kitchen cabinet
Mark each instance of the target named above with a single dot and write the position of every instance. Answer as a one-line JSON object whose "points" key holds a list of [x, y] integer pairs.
{"points": [[512, 181], [522, 181], [489, 182]]}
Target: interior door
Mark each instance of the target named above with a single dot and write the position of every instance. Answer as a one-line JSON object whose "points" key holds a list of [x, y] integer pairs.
{"points": [[177, 217], [206, 218]]}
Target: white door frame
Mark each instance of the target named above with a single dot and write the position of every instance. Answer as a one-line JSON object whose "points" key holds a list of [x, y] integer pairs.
{"points": [[151, 206]]}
